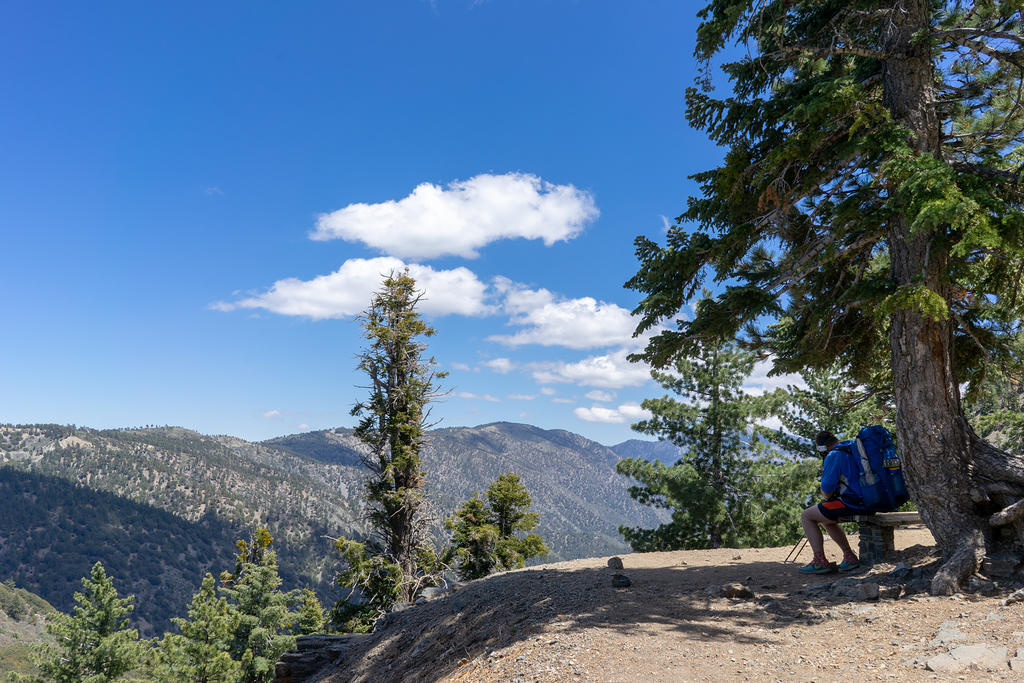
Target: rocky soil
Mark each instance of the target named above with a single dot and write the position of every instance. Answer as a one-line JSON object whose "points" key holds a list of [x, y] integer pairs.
{"points": [[580, 620]]}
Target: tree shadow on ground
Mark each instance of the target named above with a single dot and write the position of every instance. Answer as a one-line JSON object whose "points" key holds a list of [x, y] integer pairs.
{"points": [[431, 640]]}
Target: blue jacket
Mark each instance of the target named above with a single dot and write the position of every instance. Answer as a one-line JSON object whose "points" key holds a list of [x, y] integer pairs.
{"points": [[841, 475]]}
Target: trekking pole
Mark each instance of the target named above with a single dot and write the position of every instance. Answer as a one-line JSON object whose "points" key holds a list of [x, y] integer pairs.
{"points": [[795, 552]]}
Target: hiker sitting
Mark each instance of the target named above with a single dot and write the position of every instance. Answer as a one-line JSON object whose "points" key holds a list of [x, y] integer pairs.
{"points": [[840, 485]]}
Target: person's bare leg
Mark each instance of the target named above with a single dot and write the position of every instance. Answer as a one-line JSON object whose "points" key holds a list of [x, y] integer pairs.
{"points": [[839, 536], [809, 519]]}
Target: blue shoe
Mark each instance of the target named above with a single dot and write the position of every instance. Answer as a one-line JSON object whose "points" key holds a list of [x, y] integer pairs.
{"points": [[845, 566], [813, 568]]}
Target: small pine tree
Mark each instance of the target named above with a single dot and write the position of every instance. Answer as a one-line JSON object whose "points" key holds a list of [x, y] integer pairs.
{"points": [[485, 535], [311, 614], [712, 489], [264, 612], [200, 653], [94, 643]]}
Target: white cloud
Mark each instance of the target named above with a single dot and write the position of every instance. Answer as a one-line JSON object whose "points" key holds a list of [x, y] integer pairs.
{"points": [[597, 395], [759, 382], [548, 320], [609, 371], [562, 400], [478, 397], [347, 291], [460, 366], [303, 426], [548, 391], [272, 414], [627, 412], [499, 365], [462, 217], [521, 397]]}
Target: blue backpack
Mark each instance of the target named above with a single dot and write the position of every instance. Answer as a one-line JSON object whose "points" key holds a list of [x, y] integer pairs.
{"points": [[881, 473]]}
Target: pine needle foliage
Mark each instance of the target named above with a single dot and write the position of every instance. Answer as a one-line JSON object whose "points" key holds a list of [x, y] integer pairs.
{"points": [[94, 644], [485, 535], [263, 611], [725, 490], [396, 561], [199, 654], [820, 177], [311, 614]]}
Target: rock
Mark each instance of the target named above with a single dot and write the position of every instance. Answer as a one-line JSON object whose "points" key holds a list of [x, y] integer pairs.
{"points": [[615, 562], [846, 587], [1017, 664], [981, 656], [737, 591], [861, 611], [1001, 565], [944, 663], [992, 616], [621, 581], [890, 592], [737, 557], [867, 591], [714, 590], [979, 584], [900, 571], [1016, 596], [431, 592], [311, 654], [947, 635]]}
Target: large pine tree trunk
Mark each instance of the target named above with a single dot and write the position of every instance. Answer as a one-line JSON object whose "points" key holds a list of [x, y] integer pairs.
{"points": [[956, 480]]}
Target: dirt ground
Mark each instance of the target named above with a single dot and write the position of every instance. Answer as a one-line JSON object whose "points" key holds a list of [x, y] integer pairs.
{"points": [[567, 622]]}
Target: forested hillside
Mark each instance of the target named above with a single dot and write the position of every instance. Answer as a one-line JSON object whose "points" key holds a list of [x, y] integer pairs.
{"points": [[160, 506], [580, 497], [22, 615]]}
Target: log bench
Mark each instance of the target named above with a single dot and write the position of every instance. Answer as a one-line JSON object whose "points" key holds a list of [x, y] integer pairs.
{"points": [[876, 533]]}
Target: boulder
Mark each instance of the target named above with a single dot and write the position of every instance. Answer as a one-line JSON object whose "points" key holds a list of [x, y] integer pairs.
{"points": [[980, 656], [621, 581], [737, 591], [867, 591], [890, 592], [714, 590], [947, 635], [1001, 565], [615, 563], [979, 584]]}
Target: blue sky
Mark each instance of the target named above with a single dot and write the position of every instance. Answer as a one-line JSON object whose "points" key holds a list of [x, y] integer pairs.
{"points": [[195, 198]]}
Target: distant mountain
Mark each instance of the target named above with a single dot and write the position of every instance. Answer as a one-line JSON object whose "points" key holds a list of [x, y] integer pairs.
{"points": [[160, 506], [665, 451], [580, 497], [54, 531]]}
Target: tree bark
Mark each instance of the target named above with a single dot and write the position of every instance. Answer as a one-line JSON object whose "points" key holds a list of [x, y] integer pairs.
{"points": [[941, 453]]}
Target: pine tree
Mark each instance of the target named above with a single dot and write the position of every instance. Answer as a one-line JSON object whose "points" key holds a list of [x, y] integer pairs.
{"points": [[263, 611], [722, 491], [485, 535], [199, 654], [311, 614], [869, 202], [396, 561], [831, 402], [93, 644]]}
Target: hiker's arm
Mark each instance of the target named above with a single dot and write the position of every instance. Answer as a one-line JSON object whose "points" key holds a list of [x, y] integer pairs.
{"points": [[830, 476]]}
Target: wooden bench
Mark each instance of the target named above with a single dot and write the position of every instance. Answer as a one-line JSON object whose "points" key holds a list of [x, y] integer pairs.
{"points": [[876, 533]]}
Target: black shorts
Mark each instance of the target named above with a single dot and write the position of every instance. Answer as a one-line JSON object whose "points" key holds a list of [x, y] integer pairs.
{"points": [[836, 510]]}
